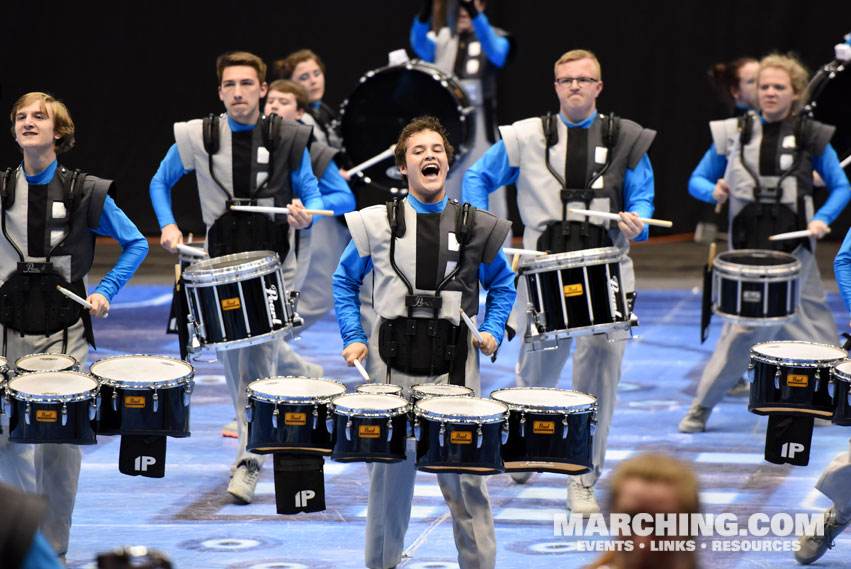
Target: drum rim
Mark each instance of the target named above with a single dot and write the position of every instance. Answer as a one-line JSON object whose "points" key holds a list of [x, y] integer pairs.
{"points": [[763, 358], [143, 385], [258, 263], [70, 368], [572, 260], [724, 267], [568, 410], [838, 374], [249, 341], [415, 391], [457, 418], [752, 320], [55, 399], [402, 409], [253, 394]]}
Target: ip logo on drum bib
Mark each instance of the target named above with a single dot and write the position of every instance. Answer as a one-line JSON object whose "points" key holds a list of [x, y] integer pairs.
{"points": [[461, 437], [369, 431], [794, 380]]}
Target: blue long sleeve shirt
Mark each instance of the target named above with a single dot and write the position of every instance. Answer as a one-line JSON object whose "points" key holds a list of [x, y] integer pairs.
{"points": [[336, 193], [493, 170], [113, 223], [713, 165], [494, 46], [842, 270], [497, 278], [304, 183]]}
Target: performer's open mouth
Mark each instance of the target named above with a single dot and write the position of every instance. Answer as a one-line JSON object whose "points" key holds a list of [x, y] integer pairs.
{"points": [[431, 170]]}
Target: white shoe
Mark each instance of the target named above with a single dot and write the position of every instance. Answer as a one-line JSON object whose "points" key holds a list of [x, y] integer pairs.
{"points": [[521, 477], [695, 419], [581, 500], [244, 480], [229, 430], [814, 546], [741, 389]]}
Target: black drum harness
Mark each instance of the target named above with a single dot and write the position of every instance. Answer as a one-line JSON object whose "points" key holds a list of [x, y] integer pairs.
{"points": [[400, 339], [29, 301], [567, 235]]}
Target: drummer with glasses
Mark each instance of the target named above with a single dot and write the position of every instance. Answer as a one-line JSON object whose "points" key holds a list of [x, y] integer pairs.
{"points": [[427, 255], [750, 158], [50, 216], [242, 156], [582, 159]]}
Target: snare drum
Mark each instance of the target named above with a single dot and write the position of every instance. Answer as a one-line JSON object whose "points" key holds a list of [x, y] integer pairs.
{"points": [[52, 407], [756, 287], [369, 427], [144, 395], [841, 381], [549, 430], [425, 390], [792, 378], [288, 414], [460, 434], [238, 300], [574, 294], [379, 389], [46, 362]]}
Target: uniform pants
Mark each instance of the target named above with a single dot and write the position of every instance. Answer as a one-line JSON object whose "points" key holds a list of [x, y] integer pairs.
{"points": [[835, 483], [49, 470]]}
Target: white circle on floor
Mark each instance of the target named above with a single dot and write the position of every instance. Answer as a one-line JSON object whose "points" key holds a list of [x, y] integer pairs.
{"points": [[553, 547], [654, 403], [434, 565], [230, 544], [210, 379], [279, 565]]}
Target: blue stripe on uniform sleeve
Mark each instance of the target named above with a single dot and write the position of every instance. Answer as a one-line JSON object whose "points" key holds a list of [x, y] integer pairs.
{"points": [[336, 193], [170, 171], [495, 47], [830, 170], [638, 192], [709, 170], [488, 173], [498, 279], [345, 284], [422, 45], [305, 184], [114, 223]]}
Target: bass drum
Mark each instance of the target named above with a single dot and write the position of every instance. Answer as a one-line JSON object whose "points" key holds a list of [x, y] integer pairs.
{"points": [[383, 103]]}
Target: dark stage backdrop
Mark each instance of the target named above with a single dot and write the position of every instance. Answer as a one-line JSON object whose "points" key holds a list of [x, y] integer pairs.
{"points": [[129, 70]]}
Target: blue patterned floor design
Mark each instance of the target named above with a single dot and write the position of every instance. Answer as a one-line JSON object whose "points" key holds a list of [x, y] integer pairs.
{"points": [[189, 515]]}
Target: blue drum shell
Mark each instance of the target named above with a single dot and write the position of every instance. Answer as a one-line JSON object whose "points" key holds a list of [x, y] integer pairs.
{"points": [[136, 416], [459, 457], [78, 430], [369, 439], [789, 399], [292, 435], [538, 443]]}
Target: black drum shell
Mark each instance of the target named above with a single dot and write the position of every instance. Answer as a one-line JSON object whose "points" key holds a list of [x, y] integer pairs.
{"points": [[136, 416], [369, 444], [78, 430], [728, 299], [294, 438], [455, 457], [805, 400], [842, 404], [542, 442]]}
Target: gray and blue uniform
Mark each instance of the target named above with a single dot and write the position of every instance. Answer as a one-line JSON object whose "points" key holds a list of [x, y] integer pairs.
{"points": [[53, 470], [627, 185], [475, 58], [815, 321], [242, 166], [391, 486]]}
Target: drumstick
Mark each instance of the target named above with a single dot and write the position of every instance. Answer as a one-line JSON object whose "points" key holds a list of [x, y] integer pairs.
{"points": [[515, 262], [191, 251], [615, 217], [845, 162], [718, 207], [362, 371], [513, 251], [471, 326], [280, 210], [74, 297], [793, 235], [712, 249], [374, 160]]}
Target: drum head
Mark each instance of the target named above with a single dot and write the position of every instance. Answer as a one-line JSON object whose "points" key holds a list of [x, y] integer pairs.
{"points": [[53, 383], [463, 408], [804, 352], [757, 258], [141, 370], [386, 100], [383, 388], [227, 266], [45, 362], [440, 390], [842, 371], [296, 388], [368, 402], [544, 398]]}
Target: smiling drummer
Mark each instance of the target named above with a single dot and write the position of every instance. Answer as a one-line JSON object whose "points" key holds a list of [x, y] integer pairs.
{"points": [[49, 215], [750, 158], [241, 156], [428, 255], [583, 159]]}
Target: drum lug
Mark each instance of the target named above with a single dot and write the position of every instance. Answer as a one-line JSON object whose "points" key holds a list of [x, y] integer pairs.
{"points": [[249, 411], [349, 429], [504, 432], [7, 406], [97, 406], [440, 435], [817, 382], [751, 367], [564, 425], [93, 410], [777, 379], [329, 425], [389, 429], [114, 400], [187, 394], [156, 399], [479, 436], [523, 424], [416, 429], [831, 388], [315, 416], [593, 427], [27, 413], [64, 414], [275, 414]]}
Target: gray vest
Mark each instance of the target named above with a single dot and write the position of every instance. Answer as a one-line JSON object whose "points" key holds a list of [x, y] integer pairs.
{"points": [[292, 141], [320, 156], [70, 228], [539, 192], [370, 231], [470, 65], [799, 184]]}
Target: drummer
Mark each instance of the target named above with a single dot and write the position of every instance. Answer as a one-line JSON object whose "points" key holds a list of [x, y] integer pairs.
{"points": [[242, 162], [544, 191], [778, 143], [475, 52], [409, 270], [61, 236]]}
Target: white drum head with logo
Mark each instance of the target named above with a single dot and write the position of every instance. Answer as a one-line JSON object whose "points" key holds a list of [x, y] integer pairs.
{"points": [[52, 385], [296, 389], [439, 390], [461, 409], [368, 402], [382, 388], [45, 362], [545, 399], [797, 352], [142, 371]]}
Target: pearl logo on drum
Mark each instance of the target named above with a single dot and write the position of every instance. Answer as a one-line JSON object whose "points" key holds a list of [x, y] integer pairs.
{"points": [[795, 380], [461, 437], [271, 299], [45, 416]]}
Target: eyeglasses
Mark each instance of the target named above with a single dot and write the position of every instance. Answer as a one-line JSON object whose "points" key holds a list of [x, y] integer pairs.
{"points": [[583, 81]]}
